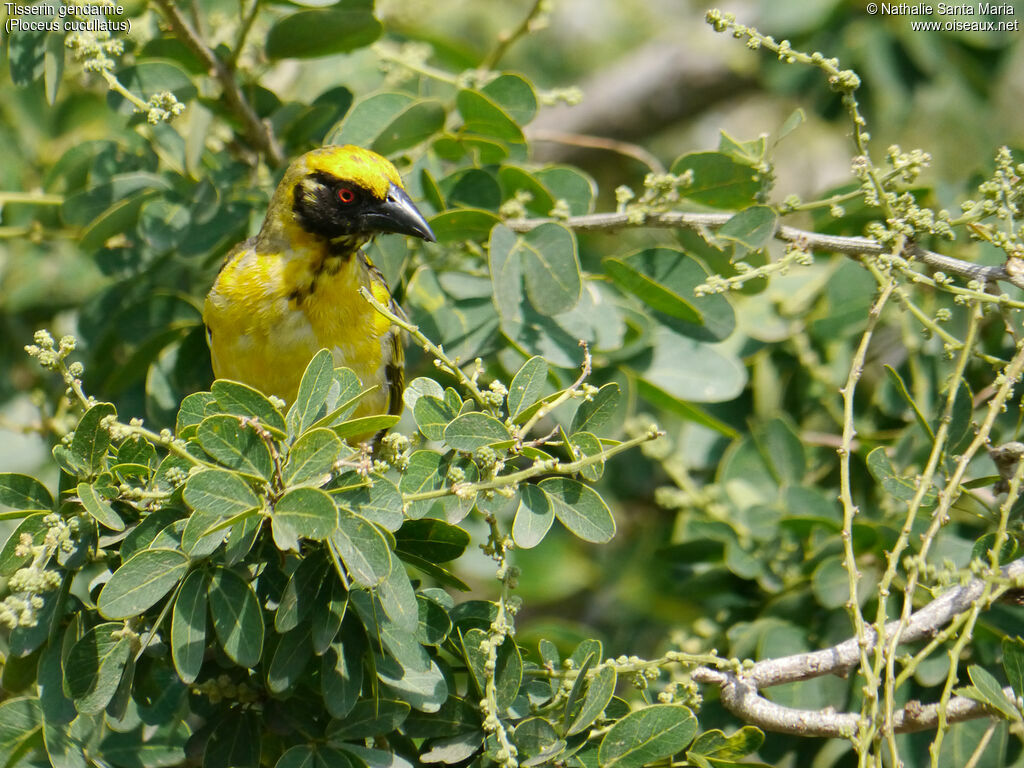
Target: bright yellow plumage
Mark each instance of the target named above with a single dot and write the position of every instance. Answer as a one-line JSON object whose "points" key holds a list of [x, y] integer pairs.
{"points": [[293, 289]]}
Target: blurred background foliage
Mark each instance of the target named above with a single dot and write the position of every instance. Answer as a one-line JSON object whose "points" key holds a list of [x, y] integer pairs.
{"points": [[728, 528]]}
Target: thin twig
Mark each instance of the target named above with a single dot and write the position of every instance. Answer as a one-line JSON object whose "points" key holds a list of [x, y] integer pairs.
{"points": [[35, 198], [507, 39], [445, 362], [535, 469], [243, 33]]}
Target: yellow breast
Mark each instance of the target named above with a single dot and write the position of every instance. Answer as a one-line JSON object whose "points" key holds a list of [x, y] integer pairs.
{"points": [[269, 313]]}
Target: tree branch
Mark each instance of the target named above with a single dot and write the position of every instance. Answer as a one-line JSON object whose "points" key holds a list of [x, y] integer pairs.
{"points": [[741, 692], [741, 698], [851, 246], [257, 132]]}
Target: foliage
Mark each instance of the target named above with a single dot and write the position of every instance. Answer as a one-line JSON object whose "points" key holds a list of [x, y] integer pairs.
{"points": [[228, 583]]}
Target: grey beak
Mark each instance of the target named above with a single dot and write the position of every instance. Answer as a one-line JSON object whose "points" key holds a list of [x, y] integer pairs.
{"points": [[397, 214]]}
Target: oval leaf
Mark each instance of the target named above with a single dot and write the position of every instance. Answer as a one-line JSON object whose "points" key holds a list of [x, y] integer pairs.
{"points": [[475, 430], [647, 735], [579, 508], [141, 582], [237, 618]]}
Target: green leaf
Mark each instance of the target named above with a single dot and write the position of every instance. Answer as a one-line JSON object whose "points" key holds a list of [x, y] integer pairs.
{"points": [[830, 583], [569, 184], [434, 625], [782, 451], [188, 626], [551, 269], [470, 188], [537, 742], [237, 618], [235, 446], [518, 182], [192, 411], [901, 488], [369, 718], [362, 548], [508, 669], [365, 426], [717, 745], [1013, 663], [141, 582], [750, 152], [341, 672], [242, 400], [796, 117], [637, 275], [91, 440], [94, 666], [297, 599], [312, 457], [573, 701], [587, 445], [309, 512], [377, 499], [53, 65], [992, 693], [432, 416], [290, 659], [312, 393], [599, 693], [751, 228], [97, 506], [647, 735], [901, 387], [419, 387], [431, 539], [534, 517], [309, 34], [711, 374], [421, 475], [514, 95], [546, 259], [463, 224], [482, 115], [369, 118], [148, 78], [474, 430], [527, 385], [20, 722], [416, 123], [219, 492], [33, 526], [329, 610], [594, 413], [718, 180], [579, 508], [23, 492], [235, 742]]}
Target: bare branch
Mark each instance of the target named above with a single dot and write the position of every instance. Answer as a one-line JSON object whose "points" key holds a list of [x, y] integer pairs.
{"points": [[741, 698], [740, 693], [851, 246]]}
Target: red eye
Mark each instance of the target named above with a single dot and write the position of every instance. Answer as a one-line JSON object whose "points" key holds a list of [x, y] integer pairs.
{"points": [[346, 195]]}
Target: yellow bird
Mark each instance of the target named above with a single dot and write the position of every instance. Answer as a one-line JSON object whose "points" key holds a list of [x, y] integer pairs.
{"points": [[293, 289]]}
